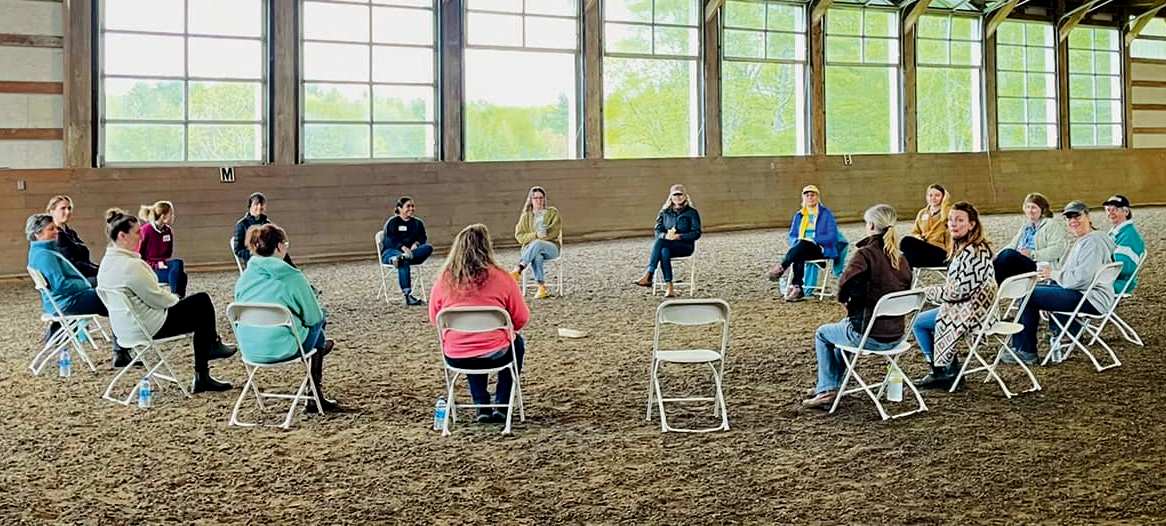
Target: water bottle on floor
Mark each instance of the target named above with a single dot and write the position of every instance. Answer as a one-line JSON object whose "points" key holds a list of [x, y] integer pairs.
{"points": [[64, 363], [145, 393], [894, 385], [439, 414]]}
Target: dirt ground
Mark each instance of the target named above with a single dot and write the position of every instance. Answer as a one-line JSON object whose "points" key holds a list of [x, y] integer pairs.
{"points": [[1088, 448]]}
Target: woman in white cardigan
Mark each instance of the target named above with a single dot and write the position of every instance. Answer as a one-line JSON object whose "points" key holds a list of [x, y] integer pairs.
{"points": [[161, 313]]}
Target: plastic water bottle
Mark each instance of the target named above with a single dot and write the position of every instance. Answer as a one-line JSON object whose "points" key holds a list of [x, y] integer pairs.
{"points": [[894, 385], [64, 363], [145, 393], [439, 414]]}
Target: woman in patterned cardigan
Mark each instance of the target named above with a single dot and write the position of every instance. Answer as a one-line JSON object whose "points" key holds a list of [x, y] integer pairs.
{"points": [[963, 300]]}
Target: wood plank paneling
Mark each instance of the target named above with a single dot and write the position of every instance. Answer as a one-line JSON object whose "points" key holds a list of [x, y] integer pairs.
{"points": [[1149, 83], [1155, 131], [78, 85], [49, 41], [32, 88], [31, 134]]}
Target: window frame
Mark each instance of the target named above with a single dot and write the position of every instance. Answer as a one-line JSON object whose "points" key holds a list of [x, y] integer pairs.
{"points": [[1119, 95], [980, 105], [1056, 94], [897, 140]]}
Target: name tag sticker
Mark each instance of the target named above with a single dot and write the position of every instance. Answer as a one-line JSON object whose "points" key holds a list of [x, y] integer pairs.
{"points": [[166, 238], [403, 228]]}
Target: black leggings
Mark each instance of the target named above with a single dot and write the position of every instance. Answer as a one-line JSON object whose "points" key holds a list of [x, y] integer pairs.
{"points": [[194, 313], [1010, 263], [920, 253], [798, 255]]}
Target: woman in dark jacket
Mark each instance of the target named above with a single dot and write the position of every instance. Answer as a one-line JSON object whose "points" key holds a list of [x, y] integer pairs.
{"points": [[677, 229], [255, 216], [405, 244], [69, 243], [877, 269]]}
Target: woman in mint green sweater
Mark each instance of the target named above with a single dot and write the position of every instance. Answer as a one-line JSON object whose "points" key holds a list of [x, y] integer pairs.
{"points": [[268, 279]]}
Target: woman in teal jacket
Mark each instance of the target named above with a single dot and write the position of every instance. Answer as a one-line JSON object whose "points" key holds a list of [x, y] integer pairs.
{"points": [[269, 279]]}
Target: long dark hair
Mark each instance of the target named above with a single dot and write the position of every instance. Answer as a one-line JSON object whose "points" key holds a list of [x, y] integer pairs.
{"points": [[975, 236]]}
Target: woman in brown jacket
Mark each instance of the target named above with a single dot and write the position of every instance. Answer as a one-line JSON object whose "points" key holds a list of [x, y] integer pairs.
{"points": [[929, 241]]}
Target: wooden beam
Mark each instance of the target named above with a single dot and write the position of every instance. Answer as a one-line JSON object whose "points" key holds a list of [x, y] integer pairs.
{"points": [[910, 82], [1149, 107], [1148, 84], [1127, 135], [592, 81], [79, 147], [1074, 17], [1062, 74], [284, 122], [1150, 131], [713, 145], [452, 73], [999, 17], [991, 121], [817, 88], [819, 10], [31, 134], [48, 41], [712, 8], [31, 88], [917, 11], [1139, 23]]}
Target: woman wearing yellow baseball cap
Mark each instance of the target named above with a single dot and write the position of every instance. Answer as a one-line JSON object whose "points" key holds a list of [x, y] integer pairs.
{"points": [[813, 234]]}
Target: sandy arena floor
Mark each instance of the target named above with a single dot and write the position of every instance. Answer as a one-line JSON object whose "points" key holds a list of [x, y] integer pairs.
{"points": [[1088, 448]]}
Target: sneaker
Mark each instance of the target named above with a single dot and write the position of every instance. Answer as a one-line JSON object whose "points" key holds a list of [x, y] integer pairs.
{"points": [[1028, 358], [795, 293], [516, 274], [822, 400], [542, 292], [412, 301], [395, 262], [775, 274], [485, 416], [499, 416]]}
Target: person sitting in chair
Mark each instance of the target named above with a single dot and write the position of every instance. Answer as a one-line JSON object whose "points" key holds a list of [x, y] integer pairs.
{"points": [[813, 234], [537, 232], [1130, 246], [405, 244]]}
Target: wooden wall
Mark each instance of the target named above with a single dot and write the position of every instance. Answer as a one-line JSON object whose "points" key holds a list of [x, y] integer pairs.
{"points": [[333, 211], [31, 84]]}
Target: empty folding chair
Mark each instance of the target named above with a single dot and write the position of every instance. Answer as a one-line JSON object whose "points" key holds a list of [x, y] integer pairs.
{"points": [[690, 284], [1013, 291], [906, 305], [1091, 324], [144, 348], [690, 313], [74, 328], [265, 315], [478, 319], [388, 272], [238, 262], [558, 270]]}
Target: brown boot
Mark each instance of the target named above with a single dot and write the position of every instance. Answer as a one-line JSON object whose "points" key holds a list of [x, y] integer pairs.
{"points": [[669, 292], [645, 281]]}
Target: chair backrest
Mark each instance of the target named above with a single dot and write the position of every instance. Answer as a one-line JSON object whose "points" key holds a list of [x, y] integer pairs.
{"points": [[38, 279], [904, 304], [1125, 290], [118, 305], [693, 312], [1014, 291], [380, 239], [1106, 275], [472, 320], [238, 262], [261, 315]]}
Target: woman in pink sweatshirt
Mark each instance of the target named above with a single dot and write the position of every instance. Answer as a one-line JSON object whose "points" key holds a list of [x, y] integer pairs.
{"points": [[471, 277], [157, 246]]}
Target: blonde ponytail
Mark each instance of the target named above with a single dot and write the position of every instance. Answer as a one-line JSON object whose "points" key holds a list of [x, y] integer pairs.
{"points": [[155, 211], [883, 217]]}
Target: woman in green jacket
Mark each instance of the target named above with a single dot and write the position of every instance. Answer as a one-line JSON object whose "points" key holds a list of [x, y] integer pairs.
{"points": [[537, 231], [268, 279], [1040, 239]]}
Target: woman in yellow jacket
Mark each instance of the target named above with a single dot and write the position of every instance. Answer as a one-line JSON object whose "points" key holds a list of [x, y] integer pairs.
{"points": [[929, 241], [537, 231]]}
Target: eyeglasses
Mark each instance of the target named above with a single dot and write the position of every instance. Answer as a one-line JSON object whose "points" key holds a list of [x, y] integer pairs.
{"points": [[677, 194]]}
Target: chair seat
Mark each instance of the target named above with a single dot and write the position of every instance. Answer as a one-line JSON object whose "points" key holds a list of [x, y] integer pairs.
{"points": [[294, 359], [49, 317], [1005, 328], [900, 348], [688, 356]]}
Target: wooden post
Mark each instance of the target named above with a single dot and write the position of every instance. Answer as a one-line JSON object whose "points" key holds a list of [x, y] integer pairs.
{"points": [[78, 84], [991, 124], [284, 120], [1127, 121], [452, 74], [1062, 83], [713, 146], [592, 81], [818, 86], [910, 107]]}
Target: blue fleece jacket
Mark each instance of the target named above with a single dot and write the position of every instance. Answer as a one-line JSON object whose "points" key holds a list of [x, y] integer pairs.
{"points": [[66, 283], [270, 280], [825, 231]]}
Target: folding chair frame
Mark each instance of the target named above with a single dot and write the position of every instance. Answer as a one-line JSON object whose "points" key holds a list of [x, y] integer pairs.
{"points": [[451, 373], [1100, 279], [679, 286], [718, 370], [1001, 331], [159, 369], [387, 269], [235, 313], [823, 289], [72, 327], [238, 262], [908, 314], [918, 273], [558, 261], [1127, 332]]}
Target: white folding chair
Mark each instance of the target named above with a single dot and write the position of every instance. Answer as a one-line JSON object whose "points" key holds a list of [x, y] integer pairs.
{"points": [[690, 313], [905, 304], [1124, 328], [238, 262], [141, 344], [270, 315], [476, 320], [70, 334], [558, 270], [1104, 277], [823, 288], [388, 272], [658, 278], [919, 273], [1014, 290]]}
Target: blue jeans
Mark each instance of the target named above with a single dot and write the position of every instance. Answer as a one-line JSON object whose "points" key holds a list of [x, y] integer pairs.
{"points": [[404, 276], [831, 367], [537, 253], [662, 253], [174, 275], [315, 338], [1050, 298], [479, 383], [924, 329]]}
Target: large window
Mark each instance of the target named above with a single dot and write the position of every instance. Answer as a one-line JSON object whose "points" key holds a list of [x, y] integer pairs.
{"points": [[521, 83], [1026, 86], [1095, 110], [369, 79], [1151, 42], [948, 80], [763, 78], [862, 81], [182, 81], [651, 78]]}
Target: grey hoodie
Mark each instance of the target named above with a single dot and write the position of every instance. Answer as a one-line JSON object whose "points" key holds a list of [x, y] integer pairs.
{"points": [[1086, 256]]}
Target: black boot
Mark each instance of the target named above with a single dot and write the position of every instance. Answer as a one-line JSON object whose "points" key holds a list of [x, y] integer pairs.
{"points": [[939, 379], [121, 358], [412, 301], [204, 382], [221, 350]]}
